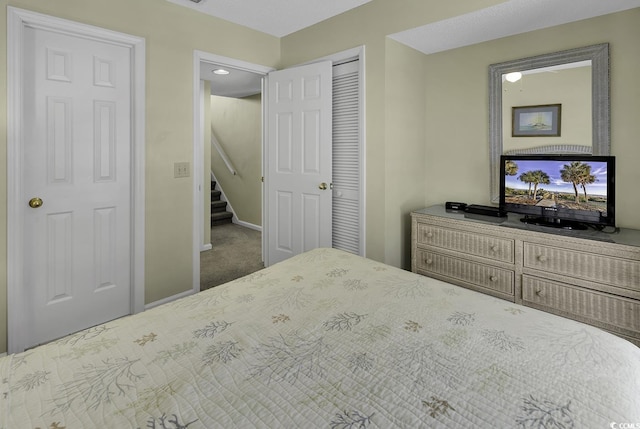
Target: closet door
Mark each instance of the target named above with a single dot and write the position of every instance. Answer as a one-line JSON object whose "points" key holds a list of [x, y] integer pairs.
{"points": [[348, 201]]}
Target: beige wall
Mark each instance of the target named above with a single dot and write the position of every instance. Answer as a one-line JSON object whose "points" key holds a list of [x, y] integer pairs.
{"points": [[456, 163], [457, 114], [446, 157], [172, 33], [405, 149], [237, 124], [369, 25]]}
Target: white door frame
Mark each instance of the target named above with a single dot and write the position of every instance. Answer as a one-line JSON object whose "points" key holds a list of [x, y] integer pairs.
{"points": [[17, 21], [198, 145]]}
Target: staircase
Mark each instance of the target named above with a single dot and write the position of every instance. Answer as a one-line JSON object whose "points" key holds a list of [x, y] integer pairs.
{"points": [[219, 213]]}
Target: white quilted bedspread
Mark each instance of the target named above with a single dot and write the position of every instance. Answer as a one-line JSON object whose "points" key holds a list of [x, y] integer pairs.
{"points": [[327, 340]]}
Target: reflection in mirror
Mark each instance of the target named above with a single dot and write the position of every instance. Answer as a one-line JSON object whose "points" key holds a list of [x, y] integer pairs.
{"points": [[568, 85], [577, 79]]}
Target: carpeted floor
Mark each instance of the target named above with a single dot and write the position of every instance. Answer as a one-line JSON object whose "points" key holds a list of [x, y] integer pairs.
{"points": [[236, 251]]}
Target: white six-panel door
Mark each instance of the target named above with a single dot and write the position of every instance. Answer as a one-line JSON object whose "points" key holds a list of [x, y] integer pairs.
{"points": [[298, 160], [77, 158]]}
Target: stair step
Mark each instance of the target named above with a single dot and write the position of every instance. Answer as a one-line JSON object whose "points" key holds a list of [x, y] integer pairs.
{"points": [[219, 213], [218, 206], [220, 218]]}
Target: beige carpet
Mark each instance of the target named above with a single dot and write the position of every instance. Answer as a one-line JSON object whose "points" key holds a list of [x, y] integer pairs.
{"points": [[236, 251]]}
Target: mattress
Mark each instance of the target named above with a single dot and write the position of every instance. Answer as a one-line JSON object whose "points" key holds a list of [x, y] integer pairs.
{"points": [[327, 339]]}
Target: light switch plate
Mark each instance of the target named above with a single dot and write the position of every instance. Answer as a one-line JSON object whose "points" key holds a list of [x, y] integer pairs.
{"points": [[181, 169]]}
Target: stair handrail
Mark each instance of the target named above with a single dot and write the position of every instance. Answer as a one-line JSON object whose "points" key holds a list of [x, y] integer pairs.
{"points": [[216, 144]]}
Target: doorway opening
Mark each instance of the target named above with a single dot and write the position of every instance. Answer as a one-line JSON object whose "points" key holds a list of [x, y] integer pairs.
{"points": [[232, 186], [349, 187]]}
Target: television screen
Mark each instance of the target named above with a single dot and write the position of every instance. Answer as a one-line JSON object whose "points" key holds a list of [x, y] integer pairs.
{"points": [[559, 190]]}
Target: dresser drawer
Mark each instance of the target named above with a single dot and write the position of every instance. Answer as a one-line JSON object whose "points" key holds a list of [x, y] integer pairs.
{"points": [[481, 275], [603, 269], [598, 308], [486, 246]]}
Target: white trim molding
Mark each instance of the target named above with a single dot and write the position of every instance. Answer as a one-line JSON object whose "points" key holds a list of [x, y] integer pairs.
{"points": [[252, 226], [168, 299], [17, 21]]}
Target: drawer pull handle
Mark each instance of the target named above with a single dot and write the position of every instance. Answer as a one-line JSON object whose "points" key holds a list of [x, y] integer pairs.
{"points": [[494, 248], [493, 278], [428, 261], [540, 292], [429, 234], [542, 258]]}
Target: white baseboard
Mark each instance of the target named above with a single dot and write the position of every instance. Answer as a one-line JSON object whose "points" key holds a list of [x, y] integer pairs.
{"points": [[206, 247], [168, 299], [248, 225]]}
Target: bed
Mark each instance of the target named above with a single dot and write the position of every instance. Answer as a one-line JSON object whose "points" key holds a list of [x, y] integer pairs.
{"points": [[330, 340]]}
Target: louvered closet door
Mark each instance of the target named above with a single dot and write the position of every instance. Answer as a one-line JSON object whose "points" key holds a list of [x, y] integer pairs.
{"points": [[348, 222]]}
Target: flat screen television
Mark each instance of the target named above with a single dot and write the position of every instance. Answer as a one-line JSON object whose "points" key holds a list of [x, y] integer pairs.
{"points": [[563, 191]]}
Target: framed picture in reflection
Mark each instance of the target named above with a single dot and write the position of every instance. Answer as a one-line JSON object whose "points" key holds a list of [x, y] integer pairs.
{"points": [[536, 121]]}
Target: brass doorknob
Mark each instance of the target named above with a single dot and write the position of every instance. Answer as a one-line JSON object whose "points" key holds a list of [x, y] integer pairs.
{"points": [[35, 202], [322, 186]]}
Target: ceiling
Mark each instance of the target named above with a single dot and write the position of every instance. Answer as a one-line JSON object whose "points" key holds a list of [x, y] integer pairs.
{"points": [[237, 84], [505, 19], [282, 17], [275, 17]]}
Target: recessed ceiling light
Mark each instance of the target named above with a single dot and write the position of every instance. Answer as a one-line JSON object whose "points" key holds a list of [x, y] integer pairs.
{"points": [[221, 71]]}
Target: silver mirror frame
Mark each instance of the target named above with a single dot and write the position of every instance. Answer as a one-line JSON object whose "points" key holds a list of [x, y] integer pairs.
{"points": [[599, 56]]}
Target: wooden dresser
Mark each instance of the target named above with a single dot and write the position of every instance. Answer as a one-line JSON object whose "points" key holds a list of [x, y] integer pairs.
{"points": [[590, 276]]}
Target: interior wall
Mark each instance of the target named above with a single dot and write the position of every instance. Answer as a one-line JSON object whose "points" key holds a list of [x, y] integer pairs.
{"points": [[368, 26], [405, 149], [456, 145], [237, 124], [172, 33], [457, 162]]}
